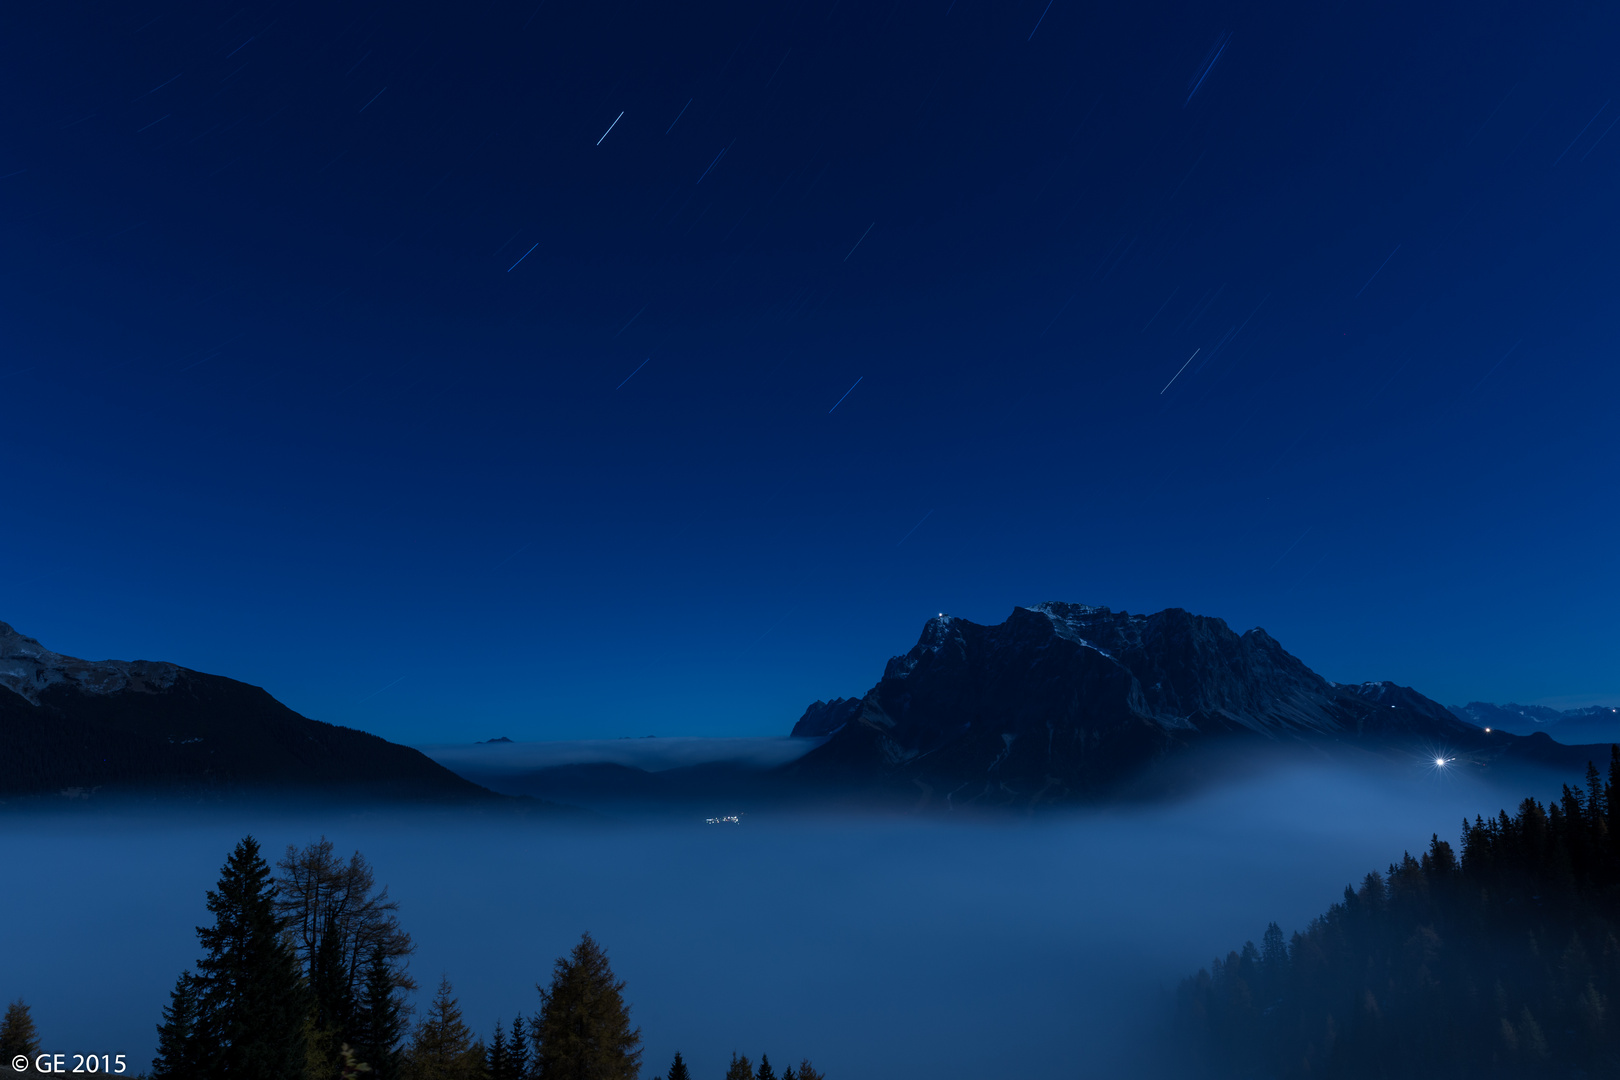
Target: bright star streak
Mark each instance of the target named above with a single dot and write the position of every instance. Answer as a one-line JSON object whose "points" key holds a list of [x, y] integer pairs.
{"points": [[611, 126], [1177, 375], [521, 257], [840, 401], [632, 375]]}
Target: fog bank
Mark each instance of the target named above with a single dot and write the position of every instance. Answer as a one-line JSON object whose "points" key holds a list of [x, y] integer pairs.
{"points": [[877, 946]]}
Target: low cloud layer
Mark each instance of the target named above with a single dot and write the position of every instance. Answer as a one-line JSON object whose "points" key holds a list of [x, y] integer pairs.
{"points": [[877, 946]]}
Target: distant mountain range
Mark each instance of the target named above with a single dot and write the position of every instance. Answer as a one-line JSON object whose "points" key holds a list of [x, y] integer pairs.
{"points": [[77, 727], [1060, 703], [1593, 724], [1065, 702]]}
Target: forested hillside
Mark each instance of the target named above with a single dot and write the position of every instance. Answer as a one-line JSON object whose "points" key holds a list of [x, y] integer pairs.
{"points": [[1502, 963]]}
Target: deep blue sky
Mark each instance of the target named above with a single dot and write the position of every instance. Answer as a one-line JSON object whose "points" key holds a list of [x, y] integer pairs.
{"points": [[278, 404]]}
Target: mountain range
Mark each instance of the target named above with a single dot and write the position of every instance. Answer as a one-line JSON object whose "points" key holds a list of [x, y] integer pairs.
{"points": [[1060, 703], [77, 727], [1593, 724], [1066, 702]]}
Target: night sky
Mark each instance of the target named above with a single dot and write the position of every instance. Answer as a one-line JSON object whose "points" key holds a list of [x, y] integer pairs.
{"points": [[486, 369]]}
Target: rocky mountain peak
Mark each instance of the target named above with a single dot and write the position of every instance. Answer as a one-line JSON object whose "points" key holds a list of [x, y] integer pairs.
{"points": [[27, 668], [1061, 699]]}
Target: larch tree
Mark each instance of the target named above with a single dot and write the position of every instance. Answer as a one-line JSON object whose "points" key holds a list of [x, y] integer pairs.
{"points": [[442, 1047], [338, 919], [741, 1068], [583, 1031], [808, 1071]]}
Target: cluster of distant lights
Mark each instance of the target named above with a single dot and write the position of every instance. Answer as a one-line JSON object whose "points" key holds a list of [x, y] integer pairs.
{"points": [[729, 819]]}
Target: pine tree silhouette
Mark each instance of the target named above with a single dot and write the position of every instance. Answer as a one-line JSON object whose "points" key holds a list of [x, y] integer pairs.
{"points": [[583, 1030], [496, 1063], [517, 1049], [677, 1069], [252, 1005], [808, 1071], [18, 1036], [765, 1071], [181, 1053], [741, 1068], [379, 1020], [332, 1018]]}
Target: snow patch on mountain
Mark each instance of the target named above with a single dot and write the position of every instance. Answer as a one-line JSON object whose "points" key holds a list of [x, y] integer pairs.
{"points": [[1068, 620], [28, 669]]}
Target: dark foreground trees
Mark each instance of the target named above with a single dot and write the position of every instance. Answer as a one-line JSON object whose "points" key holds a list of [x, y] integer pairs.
{"points": [[443, 1047], [743, 1069], [291, 973], [583, 1031], [352, 954], [302, 978], [1504, 963], [18, 1037], [243, 1014]]}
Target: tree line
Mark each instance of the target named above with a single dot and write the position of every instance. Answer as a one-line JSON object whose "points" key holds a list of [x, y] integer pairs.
{"points": [[304, 976], [1504, 962]]}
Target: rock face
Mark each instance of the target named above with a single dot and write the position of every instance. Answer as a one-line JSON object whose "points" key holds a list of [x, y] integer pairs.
{"points": [[70, 725], [1062, 701], [826, 717]]}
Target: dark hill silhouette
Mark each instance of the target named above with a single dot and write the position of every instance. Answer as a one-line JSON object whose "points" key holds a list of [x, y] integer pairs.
{"points": [[121, 726]]}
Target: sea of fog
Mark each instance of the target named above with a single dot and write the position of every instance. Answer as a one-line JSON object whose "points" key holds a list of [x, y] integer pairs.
{"points": [[493, 760], [876, 946]]}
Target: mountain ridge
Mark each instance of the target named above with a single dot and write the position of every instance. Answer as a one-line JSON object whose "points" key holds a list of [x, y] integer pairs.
{"points": [[1064, 702], [1591, 723], [75, 726]]}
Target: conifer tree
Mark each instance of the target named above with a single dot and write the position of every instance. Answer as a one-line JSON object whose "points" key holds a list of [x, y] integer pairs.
{"points": [[787, 1074], [379, 1021], [329, 981], [517, 1049], [808, 1071], [320, 895], [331, 1020], [18, 1035], [442, 1047], [765, 1071], [496, 1063], [741, 1068], [181, 1052], [678, 1070], [337, 921], [583, 1030], [252, 1004]]}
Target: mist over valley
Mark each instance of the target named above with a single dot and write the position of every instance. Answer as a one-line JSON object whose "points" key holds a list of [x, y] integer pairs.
{"points": [[876, 944]]}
